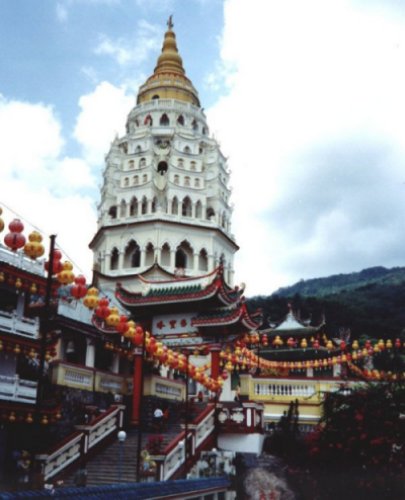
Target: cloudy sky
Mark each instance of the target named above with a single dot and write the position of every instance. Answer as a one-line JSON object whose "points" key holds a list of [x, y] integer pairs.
{"points": [[306, 99]]}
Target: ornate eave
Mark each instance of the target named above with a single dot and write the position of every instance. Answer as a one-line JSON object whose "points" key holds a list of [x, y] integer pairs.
{"points": [[210, 288], [291, 326], [237, 316]]}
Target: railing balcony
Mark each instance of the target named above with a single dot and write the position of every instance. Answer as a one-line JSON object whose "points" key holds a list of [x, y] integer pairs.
{"points": [[86, 378], [18, 259], [19, 325], [164, 388], [12, 388]]}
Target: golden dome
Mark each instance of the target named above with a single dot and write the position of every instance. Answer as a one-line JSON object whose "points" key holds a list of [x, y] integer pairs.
{"points": [[169, 80]]}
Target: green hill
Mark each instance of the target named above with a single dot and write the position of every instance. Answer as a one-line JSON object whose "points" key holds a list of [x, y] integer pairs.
{"points": [[370, 302]]}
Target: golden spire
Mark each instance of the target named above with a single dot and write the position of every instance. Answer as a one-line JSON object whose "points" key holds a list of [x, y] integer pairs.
{"points": [[169, 80]]}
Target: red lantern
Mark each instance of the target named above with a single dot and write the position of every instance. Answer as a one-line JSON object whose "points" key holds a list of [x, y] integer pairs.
{"points": [[103, 311], [14, 239], [79, 289], [122, 325], [57, 265], [398, 343]]}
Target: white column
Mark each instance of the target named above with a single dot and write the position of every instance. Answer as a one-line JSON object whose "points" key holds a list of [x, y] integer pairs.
{"points": [[195, 266], [90, 353], [142, 258], [115, 365], [172, 258]]}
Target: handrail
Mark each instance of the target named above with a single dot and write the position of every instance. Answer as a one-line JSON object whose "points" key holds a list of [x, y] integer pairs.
{"points": [[77, 445]]}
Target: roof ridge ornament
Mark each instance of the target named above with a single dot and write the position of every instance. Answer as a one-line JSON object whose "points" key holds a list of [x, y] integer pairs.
{"points": [[170, 22]]}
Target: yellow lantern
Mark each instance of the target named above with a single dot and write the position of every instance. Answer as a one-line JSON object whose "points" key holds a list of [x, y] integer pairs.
{"points": [[34, 248], [304, 343], [33, 288], [12, 418], [389, 344], [66, 276], [29, 418], [2, 278], [18, 283], [44, 420], [1, 221], [113, 318], [91, 298], [355, 345], [329, 345], [17, 349]]}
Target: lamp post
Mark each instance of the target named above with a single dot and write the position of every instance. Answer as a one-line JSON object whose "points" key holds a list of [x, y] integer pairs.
{"points": [[187, 354], [122, 436]]}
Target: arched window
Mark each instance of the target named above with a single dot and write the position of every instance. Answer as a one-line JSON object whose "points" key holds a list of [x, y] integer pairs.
{"points": [[131, 164], [154, 204], [204, 131], [187, 150], [162, 167], [142, 162], [126, 181], [203, 260], [180, 120], [112, 212], [114, 259], [184, 255], [156, 96], [123, 209], [194, 125], [132, 255], [210, 213], [180, 163], [135, 180], [223, 220], [175, 206], [133, 207], [144, 206], [186, 207], [164, 120], [138, 149], [165, 255], [144, 178], [149, 254], [198, 210], [148, 120], [176, 179], [193, 166], [197, 183], [187, 181]]}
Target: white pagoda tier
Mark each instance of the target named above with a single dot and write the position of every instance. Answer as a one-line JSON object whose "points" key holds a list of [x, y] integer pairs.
{"points": [[165, 197]]}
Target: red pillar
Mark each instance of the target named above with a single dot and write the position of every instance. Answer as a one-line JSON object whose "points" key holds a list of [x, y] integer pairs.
{"points": [[137, 386], [215, 350]]}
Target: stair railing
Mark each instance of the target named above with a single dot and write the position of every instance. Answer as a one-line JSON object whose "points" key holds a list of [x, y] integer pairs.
{"points": [[77, 445]]}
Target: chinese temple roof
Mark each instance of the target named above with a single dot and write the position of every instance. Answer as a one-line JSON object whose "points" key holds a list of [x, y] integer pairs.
{"points": [[176, 293], [291, 325], [237, 315]]}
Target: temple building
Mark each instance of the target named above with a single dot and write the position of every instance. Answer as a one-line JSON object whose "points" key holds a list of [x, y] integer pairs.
{"points": [[165, 199]]}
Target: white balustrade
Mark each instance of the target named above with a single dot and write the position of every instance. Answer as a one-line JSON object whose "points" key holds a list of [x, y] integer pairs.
{"points": [[19, 325], [19, 260], [73, 376], [293, 390], [15, 389]]}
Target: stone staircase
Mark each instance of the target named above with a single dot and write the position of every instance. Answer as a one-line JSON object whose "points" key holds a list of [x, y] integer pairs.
{"points": [[117, 462]]}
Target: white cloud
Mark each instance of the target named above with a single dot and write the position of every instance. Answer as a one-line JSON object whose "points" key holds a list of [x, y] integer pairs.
{"points": [[102, 116], [137, 50], [39, 184], [318, 145]]}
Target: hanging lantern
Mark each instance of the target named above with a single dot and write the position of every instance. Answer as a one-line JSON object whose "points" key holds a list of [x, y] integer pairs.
{"points": [[389, 344], [66, 276], [14, 239], [381, 345], [2, 278], [290, 342], [138, 336], [57, 265], [103, 311], [12, 418], [18, 283], [79, 289], [316, 344], [1, 221], [122, 326], [44, 420], [113, 318], [29, 418], [91, 299], [277, 342], [17, 349], [329, 345], [397, 343], [304, 343], [33, 288], [34, 248], [355, 345]]}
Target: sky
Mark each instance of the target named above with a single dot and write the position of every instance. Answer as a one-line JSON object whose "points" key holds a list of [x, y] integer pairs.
{"points": [[306, 100]]}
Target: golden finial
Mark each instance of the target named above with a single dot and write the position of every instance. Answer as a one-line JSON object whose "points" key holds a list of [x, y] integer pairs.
{"points": [[170, 22]]}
